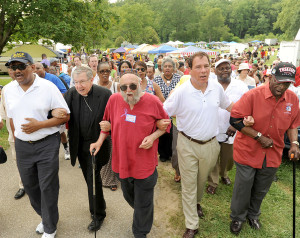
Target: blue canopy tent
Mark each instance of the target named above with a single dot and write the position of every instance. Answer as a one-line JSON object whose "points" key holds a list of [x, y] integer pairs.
{"points": [[255, 41], [189, 43], [162, 49], [120, 50]]}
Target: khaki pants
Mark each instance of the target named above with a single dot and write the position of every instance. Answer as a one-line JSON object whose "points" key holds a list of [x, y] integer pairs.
{"points": [[195, 163], [223, 165], [13, 154]]}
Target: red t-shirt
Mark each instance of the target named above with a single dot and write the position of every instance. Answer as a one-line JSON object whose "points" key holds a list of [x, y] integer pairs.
{"points": [[271, 118], [128, 130], [297, 77]]}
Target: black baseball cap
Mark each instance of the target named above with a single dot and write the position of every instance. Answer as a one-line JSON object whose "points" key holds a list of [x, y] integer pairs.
{"points": [[20, 57], [284, 72]]}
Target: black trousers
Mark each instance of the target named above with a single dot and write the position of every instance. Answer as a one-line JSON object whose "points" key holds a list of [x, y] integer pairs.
{"points": [[139, 194], [165, 145], [250, 187], [85, 160], [38, 166]]}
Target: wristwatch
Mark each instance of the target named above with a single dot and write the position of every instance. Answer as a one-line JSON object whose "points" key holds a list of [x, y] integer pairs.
{"points": [[257, 136], [295, 142]]}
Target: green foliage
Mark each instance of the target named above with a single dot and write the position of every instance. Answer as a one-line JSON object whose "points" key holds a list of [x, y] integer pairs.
{"points": [[212, 26], [288, 19], [119, 41], [80, 23]]}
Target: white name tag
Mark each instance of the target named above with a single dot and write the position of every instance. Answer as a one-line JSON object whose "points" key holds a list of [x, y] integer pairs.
{"points": [[130, 118]]}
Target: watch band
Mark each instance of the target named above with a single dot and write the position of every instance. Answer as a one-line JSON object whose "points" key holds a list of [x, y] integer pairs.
{"points": [[257, 136], [295, 142]]}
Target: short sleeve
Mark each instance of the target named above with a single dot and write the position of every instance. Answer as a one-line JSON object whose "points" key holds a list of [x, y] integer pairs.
{"points": [[224, 100], [242, 107]]}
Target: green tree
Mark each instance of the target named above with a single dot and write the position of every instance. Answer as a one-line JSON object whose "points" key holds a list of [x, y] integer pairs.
{"points": [[288, 19], [119, 41], [134, 20], [212, 26], [65, 21]]}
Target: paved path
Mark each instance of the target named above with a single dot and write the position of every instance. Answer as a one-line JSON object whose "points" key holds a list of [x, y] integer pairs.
{"points": [[19, 220]]}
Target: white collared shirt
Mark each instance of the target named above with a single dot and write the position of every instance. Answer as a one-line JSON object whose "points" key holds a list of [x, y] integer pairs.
{"points": [[36, 102], [234, 91], [196, 112]]}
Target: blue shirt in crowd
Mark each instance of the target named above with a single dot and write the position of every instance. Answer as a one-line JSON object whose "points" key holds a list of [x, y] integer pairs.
{"points": [[54, 79], [66, 77]]}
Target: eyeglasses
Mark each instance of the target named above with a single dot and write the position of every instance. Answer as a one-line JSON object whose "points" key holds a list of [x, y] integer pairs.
{"points": [[18, 66], [82, 82], [132, 86], [141, 69], [106, 71]]}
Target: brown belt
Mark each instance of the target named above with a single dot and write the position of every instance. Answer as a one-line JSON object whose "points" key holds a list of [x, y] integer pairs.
{"points": [[201, 142]]}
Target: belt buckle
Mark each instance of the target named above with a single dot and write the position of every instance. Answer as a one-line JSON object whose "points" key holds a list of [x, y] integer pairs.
{"points": [[30, 141]]}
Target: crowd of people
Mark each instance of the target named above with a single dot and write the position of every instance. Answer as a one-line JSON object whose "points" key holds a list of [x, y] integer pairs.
{"points": [[204, 114]]}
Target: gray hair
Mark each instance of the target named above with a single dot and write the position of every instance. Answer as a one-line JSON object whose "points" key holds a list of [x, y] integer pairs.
{"points": [[168, 60], [84, 69]]}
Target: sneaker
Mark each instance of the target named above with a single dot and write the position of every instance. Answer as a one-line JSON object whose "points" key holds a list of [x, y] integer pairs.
{"points": [[40, 228], [67, 153], [46, 235]]}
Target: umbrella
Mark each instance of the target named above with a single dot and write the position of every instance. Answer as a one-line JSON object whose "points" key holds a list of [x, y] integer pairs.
{"points": [[189, 43], [179, 42], [162, 49], [119, 50], [131, 46], [190, 50]]}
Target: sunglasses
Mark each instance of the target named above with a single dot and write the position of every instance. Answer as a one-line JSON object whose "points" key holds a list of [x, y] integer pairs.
{"points": [[132, 86], [141, 69], [106, 71], [18, 66]]}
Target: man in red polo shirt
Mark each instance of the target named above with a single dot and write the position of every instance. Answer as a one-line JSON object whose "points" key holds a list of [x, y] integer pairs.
{"points": [[133, 115], [257, 150]]}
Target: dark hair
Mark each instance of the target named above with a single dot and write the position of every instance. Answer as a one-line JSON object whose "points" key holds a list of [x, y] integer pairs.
{"points": [[102, 63], [124, 62], [181, 64], [256, 65], [200, 55], [45, 66], [140, 63], [112, 64]]}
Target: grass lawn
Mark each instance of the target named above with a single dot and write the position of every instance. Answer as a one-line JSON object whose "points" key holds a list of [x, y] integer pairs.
{"points": [[276, 210], [3, 137], [4, 80]]}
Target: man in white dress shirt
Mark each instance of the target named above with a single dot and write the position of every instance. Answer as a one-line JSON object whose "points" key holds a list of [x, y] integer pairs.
{"points": [[234, 89], [195, 105], [28, 100]]}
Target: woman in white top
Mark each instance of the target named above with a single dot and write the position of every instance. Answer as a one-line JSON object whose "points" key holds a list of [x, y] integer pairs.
{"points": [[243, 75], [104, 71]]}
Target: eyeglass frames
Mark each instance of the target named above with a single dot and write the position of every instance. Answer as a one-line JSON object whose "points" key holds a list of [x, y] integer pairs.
{"points": [[132, 86]]}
